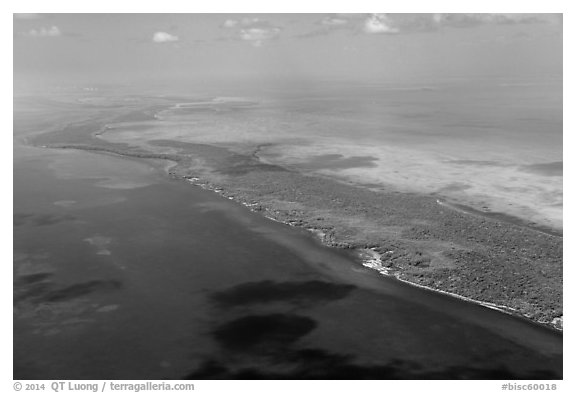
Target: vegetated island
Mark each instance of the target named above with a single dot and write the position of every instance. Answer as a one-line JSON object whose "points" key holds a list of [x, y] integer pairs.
{"points": [[413, 237]]}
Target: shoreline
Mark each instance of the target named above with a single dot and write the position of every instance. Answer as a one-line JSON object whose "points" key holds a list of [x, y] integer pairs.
{"points": [[231, 175], [370, 258], [367, 256]]}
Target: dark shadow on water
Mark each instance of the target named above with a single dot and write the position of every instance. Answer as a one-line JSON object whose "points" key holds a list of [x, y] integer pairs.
{"points": [[39, 219], [85, 288], [40, 291], [299, 293], [454, 187], [321, 364], [32, 291], [545, 169], [338, 161], [262, 333], [31, 278], [475, 163], [267, 346]]}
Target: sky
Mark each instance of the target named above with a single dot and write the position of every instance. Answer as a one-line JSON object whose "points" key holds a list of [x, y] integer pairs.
{"points": [[179, 48]]}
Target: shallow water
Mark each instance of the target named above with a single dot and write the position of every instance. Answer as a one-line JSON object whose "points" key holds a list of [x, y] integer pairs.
{"points": [[121, 273], [496, 146]]}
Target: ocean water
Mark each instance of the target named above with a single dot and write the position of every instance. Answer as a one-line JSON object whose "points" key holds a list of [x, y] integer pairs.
{"points": [[494, 145], [121, 272]]}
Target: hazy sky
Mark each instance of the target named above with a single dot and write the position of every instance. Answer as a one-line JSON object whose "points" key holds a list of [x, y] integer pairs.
{"points": [[96, 48]]}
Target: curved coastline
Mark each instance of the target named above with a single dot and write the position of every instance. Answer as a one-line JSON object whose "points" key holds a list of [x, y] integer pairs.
{"points": [[368, 252], [369, 257], [372, 259]]}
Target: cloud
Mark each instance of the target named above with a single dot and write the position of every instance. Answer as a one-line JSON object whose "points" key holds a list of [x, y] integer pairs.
{"points": [[161, 37], [53, 31], [388, 24], [251, 29], [244, 22], [27, 16], [258, 35], [230, 23], [379, 24]]}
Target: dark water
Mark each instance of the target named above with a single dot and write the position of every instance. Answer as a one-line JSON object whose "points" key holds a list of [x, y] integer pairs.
{"points": [[123, 273]]}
